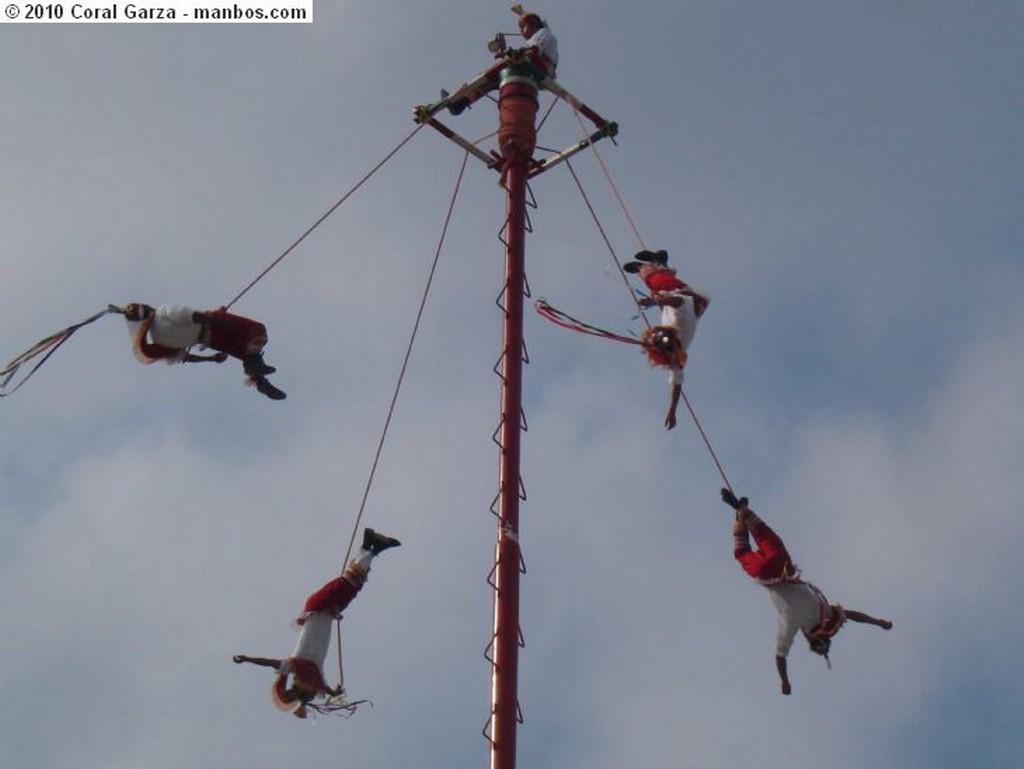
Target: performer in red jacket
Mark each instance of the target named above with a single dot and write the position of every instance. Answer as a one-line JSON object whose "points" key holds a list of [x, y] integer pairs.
{"points": [[305, 665], [666, 344], [801, 606]]}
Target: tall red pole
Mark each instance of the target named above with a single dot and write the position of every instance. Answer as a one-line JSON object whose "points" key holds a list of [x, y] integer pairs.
{"points": [[517, 104]]}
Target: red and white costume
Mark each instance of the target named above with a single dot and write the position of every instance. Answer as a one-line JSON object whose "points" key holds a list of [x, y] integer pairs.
{"points": [[546, 44], [169, 332], [801, 606], [663, 283], [322, 608]]}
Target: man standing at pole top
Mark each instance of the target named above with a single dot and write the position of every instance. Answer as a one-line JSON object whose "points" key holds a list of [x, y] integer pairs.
{"points": [[540, 49]]}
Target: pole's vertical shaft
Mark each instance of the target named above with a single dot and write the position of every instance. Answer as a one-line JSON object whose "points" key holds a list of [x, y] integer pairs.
{"points": [[517, 138]]}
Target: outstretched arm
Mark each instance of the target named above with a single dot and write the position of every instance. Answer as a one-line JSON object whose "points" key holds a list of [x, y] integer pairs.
{"points": [[673, 404], [867, 619], [780, 665], [263, 662]]}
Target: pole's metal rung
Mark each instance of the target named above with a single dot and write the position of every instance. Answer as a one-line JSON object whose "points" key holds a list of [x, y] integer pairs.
{"points": [[531, 200], [486, 731], [501, 232], [497, 432], [497, 368], [498, 300], [526, 354]]}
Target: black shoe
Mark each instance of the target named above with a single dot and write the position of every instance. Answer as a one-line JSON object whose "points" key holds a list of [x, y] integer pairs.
{"points": [[378, 543], [255, 367], [269, 390], [458, 106]]}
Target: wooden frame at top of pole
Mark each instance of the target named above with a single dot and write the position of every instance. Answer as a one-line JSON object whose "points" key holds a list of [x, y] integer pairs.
{"points": [[427, 113]]}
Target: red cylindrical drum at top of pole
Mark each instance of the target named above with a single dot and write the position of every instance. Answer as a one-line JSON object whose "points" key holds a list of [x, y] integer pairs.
{"points": [[517, 107]]}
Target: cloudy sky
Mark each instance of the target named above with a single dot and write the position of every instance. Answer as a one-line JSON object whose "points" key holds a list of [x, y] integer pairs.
{"points": [[843, 178]]}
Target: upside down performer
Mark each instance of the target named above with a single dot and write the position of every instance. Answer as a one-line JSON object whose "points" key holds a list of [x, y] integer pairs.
{"points": [[306, 663], [168, 333], [666, 344], [801, 606]]}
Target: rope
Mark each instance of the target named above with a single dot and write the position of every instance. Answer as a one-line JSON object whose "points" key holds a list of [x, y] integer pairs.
{"points": [[611, 182], [408, 353], [394, 400], [600, 229], [323, 218], [341, 667], [49, 345], [707, 443]]}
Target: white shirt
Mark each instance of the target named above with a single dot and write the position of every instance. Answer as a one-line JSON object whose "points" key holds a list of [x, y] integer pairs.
{"points": [[684, 320], [799, 607], [546, 43], [173, 326], [314, 638]]}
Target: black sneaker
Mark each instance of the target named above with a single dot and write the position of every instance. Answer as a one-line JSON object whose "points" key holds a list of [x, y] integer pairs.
{"points": [[378, 543], [255, 367], [269, 390], [458, 106]]}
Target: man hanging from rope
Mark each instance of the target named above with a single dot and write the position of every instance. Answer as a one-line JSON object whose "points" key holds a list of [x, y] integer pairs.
{"points": [[168, 333], [801, 606], [306, 663], [540, 50], [666, 344]]}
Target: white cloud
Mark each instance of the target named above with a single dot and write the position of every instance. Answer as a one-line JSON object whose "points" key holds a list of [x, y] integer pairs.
{"points": [[858, 373]]}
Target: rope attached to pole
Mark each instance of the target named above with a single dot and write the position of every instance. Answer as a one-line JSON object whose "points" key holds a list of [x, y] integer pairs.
{"points": [[323, 217], [394, 400], [405, 361], [600, 228], [611, 182]]}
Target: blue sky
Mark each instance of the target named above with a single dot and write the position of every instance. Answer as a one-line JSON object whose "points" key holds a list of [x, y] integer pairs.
{"points": [[844, 179]]}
